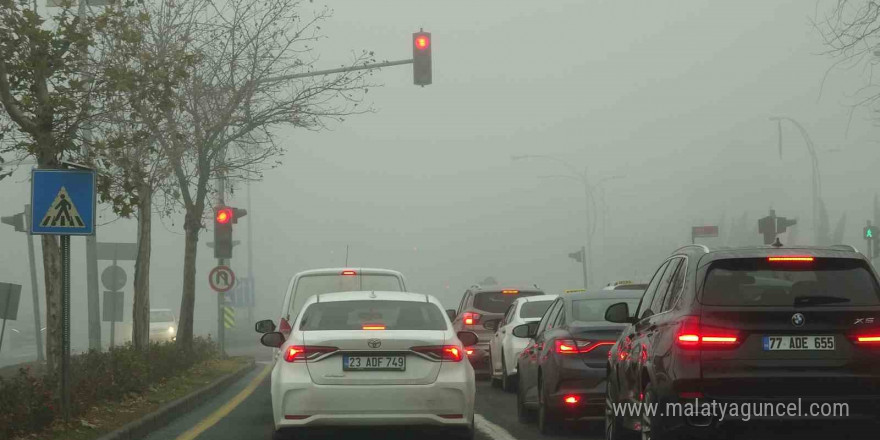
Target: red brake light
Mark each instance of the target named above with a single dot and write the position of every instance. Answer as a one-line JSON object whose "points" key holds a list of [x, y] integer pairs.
{"points": [[443, 353], [510, 292], [373, 327], [349, 272], [571, 399], [691, 334], [869, 340], [299, 353], [784, 258], [470, 318], [469, 351], [575, 346]]}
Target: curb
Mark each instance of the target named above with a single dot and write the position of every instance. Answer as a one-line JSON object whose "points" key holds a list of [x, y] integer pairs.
{"points": [[167, 413]]}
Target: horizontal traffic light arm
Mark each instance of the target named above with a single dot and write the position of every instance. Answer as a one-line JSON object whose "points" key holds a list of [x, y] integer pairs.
{"points": [[339, 70]]}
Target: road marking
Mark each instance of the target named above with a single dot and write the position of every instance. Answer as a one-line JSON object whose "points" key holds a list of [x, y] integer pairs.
{"points": [[490, 429], [224, 410]]}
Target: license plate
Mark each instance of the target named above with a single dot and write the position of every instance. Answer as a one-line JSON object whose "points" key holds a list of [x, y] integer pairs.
{"points": [[374, 363], [789, 343]]}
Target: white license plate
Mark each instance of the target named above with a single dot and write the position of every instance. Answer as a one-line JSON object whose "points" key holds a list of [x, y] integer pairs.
{"points": [[374, 363], [789, 343]]}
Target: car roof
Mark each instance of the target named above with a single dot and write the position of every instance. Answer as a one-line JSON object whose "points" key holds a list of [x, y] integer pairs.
{"points": [[535, 298], [709, 255], [529, 289], [605, 294], [370, 295], [359, 270]]}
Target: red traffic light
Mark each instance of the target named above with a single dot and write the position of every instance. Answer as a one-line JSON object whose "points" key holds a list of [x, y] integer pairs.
{"points": [[422, 42], [223, 216]]}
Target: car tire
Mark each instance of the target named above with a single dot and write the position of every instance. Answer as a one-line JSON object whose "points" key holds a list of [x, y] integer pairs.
{"points": [[652, 426], [614, 429], [524, 414], [496, 382], [548, 420], [507, 383]]}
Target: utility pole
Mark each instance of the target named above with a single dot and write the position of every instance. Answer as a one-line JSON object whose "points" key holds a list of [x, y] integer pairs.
{"points": [[250, 257], [584, 264]]}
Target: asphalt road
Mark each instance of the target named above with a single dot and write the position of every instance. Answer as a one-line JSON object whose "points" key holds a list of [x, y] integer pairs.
{"points": [[243, 412]]}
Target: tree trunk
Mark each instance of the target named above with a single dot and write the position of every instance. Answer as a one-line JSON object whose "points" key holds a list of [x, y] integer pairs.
{"points": [[52, 278], [192, 226], [141, 310]]}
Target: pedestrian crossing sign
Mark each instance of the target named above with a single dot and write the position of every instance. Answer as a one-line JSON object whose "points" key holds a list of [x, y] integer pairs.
{"points": [[63, 202]]}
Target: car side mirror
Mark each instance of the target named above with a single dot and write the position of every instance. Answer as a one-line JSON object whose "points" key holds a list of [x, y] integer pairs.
{"points": [[491, 324], [451, 314], [468, 338], [264, 326], [272, 339], [529, 330], [619, 313]]}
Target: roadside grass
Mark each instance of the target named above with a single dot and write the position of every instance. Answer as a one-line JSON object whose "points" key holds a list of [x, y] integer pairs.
{"points": [[108, 416]]}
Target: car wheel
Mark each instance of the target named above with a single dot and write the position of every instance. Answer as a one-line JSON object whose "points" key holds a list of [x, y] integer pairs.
{"points": [[507, 383], [496, 382], [524, 414], [614, 429], [652, 426], [548, 420]]}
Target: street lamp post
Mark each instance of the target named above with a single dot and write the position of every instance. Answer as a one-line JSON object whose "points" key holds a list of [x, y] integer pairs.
{"points": [[816, 178], [580, 177]]}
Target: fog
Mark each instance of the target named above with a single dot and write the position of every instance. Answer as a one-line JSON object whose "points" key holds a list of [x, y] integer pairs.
{"points": [[674, 96]]}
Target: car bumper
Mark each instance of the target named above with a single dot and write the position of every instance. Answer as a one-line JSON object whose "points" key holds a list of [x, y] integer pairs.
{"points": [[298, 402], [479, 358], [584, 383]]}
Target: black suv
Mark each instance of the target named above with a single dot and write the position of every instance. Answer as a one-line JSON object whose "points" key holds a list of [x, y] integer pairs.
{"points": [[758, 326]]}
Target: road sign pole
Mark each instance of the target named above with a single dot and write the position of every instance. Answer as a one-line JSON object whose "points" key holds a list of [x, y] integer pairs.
{"points": [[65, 326]]}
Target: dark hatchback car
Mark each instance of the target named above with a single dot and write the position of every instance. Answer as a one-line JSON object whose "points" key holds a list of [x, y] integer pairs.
{"points": [[562, 370], [479, 311], [759, 326]]}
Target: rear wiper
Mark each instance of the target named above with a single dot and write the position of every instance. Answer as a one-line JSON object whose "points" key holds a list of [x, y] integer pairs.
{"points": [[815, 300]]}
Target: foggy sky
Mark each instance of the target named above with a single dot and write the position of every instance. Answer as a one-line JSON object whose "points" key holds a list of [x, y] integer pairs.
{"points": [[673, 95]]}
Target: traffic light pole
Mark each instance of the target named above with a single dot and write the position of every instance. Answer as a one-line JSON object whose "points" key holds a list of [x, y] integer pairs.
{"points": [[338, 70], [221, 334]]}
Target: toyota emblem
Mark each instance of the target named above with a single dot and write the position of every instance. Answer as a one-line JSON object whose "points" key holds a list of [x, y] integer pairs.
{"points": [[374, 343], [798, 319]]}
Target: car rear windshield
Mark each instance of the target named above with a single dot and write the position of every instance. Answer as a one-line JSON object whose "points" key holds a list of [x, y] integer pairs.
{"points": [[592, 310], [497, 302], [534, 309], [760, 282], [310, 285], [378, 315], [631, 287]]}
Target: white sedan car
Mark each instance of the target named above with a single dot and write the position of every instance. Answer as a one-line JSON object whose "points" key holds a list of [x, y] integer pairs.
{"points": [[504, 347], [372, 358]]}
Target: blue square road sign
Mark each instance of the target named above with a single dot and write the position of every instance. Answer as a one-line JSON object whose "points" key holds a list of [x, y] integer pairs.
{"points": [[63, 202]]}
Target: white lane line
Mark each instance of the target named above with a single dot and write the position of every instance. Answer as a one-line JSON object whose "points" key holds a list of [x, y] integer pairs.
{"points": [[490, 429]]}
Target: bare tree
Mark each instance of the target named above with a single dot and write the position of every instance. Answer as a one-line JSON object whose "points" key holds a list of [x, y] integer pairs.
{"points": [[235, 97], [851, 32], [147, 63]]}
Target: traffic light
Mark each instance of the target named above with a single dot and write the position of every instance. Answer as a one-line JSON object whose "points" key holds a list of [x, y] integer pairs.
{"points": [[422, 58], [224, 218], [870, 233]]}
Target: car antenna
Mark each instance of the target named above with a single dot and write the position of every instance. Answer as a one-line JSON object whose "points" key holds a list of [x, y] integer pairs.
{"points": [[777, 243]]}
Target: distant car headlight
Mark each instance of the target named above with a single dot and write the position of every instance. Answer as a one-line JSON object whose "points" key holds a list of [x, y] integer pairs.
{"points": [[170, 330]]}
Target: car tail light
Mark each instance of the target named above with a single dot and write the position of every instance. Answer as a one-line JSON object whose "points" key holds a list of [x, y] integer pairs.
{"points": [[373, 327], [442, 353], [571, 399], [510, 292], [470, 318], [693, 335], [576, 346], [470, 351], [305, 353], [867, 340]]}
